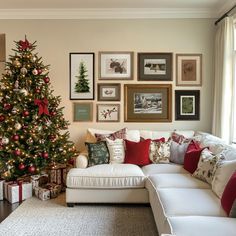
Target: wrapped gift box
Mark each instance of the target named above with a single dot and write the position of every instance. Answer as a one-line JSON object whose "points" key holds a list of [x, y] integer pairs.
{"points": [[42, 193], [18, 191], [54, 189], [39, 180], [1, 188]]}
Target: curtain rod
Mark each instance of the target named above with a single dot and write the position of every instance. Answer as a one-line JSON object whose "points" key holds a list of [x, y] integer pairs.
{"points": [[225, 15]]}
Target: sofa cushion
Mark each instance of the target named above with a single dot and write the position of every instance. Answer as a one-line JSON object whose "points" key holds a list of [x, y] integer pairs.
{"points": [[189, 201], [97, 153], [177, 152], [222, 173], [119, 134], [202, 226], [107, 176], [228, 200], [137, 152], [159, 152], [163, 168], [175, 181]]}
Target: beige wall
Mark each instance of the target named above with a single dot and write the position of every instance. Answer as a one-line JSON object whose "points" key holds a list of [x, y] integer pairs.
{"points": [[57, 38]]}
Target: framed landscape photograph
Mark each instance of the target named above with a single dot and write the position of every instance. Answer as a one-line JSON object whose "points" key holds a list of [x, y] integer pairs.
{"points": [[108, 112], [81, 76], [187, 104], [116, 65], [148, 103], [108, 92], [154, 66], [189, 69], [83, 111]]}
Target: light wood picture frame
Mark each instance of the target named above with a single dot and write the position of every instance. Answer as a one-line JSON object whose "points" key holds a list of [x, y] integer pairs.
{"points": [[83, 112], [108, 112]]}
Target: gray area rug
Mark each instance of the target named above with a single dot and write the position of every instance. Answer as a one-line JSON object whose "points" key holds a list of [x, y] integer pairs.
{"points": [[45, 218]]}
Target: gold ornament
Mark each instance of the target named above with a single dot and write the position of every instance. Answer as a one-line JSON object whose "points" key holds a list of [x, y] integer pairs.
{"points": [[16, 63]]}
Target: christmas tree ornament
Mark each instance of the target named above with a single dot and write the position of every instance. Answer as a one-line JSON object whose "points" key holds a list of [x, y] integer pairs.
{"points": [[37, 90], [16, 86], [28, 66], [5, 140], [23, 71], [26, 113], [15, 137], [31, 169], [17, 63], [29, 141], [35, 71], [17, 152], [40, 71], [24, 45], [14, 110], [45, 155], [24, 92], [2, 118], [34, 59], [7, 106], [53, 113], [46, 80], [21, 166], [43, 106], [17, 126], [8, 72]]}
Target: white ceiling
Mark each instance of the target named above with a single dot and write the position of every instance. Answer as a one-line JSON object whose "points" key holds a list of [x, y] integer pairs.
{"points": [[117, 8]]}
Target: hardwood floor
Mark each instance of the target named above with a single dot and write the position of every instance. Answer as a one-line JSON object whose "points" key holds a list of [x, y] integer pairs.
{"points": [[6, 209]]}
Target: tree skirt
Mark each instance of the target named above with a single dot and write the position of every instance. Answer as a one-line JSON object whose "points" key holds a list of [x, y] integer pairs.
{"points": [[52, 217]]}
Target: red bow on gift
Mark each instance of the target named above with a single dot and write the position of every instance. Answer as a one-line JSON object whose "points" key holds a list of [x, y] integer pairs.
{"points": [[43, 106], [25, 44]]}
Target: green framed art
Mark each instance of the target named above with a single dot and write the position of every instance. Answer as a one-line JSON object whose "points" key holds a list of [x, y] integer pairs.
{"points": [[83, 112]]}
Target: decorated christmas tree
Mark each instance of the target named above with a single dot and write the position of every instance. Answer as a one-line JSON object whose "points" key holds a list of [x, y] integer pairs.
{"points": [[32, 127], [82, 86]]}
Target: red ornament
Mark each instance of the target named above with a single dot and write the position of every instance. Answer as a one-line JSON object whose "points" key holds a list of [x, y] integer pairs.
{"points": [[37, 90], [17, 152], [21, 166], [7, 106], [40, 71], [46, 80], [2, 118], [32, 169], [15, 137], [53, 113], [26, 113], [52, 137], [45, 155]]}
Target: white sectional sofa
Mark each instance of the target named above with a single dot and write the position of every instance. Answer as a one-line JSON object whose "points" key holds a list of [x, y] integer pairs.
{"points": [[182, 205]]}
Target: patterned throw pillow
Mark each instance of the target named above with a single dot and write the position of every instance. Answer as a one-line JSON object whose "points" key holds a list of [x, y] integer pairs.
{"points": [[159, 152], [177, 152], [179, 138], [97, 153], [120, 134], [116, 150], [206, 166]]}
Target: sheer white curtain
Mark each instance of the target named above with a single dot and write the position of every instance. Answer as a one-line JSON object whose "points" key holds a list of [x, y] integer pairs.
{"points": [[223, 120]]}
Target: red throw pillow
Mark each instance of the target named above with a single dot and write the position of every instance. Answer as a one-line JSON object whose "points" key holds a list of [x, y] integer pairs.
{"points": [[137, 153], [192, 157], [228, 199]]}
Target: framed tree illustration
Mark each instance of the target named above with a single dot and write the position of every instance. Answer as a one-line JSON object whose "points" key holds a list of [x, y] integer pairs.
{"points": [[82, 76]]}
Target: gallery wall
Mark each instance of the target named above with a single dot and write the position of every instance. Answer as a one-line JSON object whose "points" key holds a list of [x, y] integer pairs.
{"points": [[57, 38]]}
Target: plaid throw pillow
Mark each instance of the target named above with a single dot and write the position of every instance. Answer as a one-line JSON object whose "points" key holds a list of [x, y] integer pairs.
{"points": [[120, 134]]}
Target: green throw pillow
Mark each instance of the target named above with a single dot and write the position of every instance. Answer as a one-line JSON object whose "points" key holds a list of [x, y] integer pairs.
{"points": [[97, 153]]}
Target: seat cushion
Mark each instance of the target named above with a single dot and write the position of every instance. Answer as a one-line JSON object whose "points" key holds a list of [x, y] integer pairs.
{"points": [[107, 176], [163, 168], [175, 181], [188, 201], [202, 225]]}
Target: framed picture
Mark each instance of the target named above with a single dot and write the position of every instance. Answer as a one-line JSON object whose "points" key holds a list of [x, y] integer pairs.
{"points": [[108, 112], [83, 111], [155, 66], [189, 69], [108, 92], [116, 65], [187, 104], [81, 76], [148, 103]]}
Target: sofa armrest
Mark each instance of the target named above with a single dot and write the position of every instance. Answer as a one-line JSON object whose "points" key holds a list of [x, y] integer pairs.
{"points": [[82, 160]]}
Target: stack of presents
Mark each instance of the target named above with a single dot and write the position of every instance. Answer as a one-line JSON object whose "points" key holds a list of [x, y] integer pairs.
{"points": [[44, 186]]}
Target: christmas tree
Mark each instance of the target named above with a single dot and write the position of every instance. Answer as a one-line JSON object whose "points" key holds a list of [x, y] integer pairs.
{"points": [[31, 121], [82, 86]]}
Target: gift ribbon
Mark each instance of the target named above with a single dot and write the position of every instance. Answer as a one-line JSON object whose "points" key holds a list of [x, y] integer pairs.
{"points": [[43, 106], [25, 44], [20, 190]]}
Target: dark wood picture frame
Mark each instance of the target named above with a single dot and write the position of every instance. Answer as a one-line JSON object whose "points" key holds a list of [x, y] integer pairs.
{"points": [[88, 59], [108, 92], [155, 66], [187, 104], [147, 102]]}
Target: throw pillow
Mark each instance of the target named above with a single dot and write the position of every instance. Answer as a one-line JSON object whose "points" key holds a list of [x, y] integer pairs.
{"points": [[192, 157], [97, 153], [137, 153], [116, 150], [206, 166], [120, 134], [177, 152], [223, 172], [155, 140], [179, 138], [159, 152], [228, 200]]}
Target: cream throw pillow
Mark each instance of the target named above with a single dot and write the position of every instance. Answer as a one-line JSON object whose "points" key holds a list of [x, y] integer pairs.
{"points": [[116, 150], [206, 166], [223, 172]]}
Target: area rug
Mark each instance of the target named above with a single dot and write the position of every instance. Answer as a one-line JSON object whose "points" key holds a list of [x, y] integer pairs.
{"points": [[45, 218]]}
